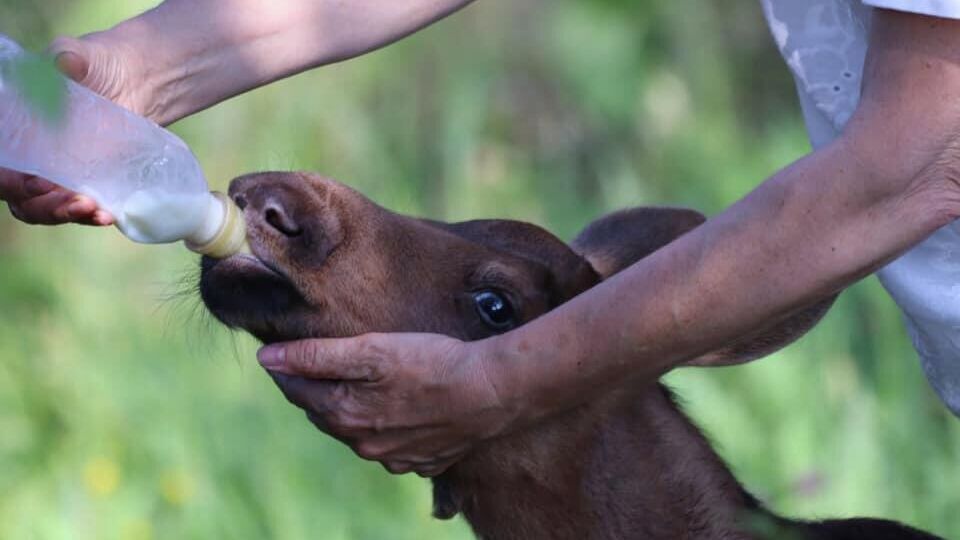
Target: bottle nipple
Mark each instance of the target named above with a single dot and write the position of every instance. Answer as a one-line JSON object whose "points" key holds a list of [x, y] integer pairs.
{"points": [[230, 231]]}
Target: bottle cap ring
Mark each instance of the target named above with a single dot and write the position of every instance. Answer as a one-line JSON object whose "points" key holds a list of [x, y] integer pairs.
{"points": [[232, 236]]}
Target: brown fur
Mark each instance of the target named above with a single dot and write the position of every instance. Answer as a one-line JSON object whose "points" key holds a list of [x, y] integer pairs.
{"points": [[330, 263]]}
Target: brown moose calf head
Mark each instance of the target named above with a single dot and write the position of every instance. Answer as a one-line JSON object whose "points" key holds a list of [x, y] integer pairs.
{"points": [[328, 262]]}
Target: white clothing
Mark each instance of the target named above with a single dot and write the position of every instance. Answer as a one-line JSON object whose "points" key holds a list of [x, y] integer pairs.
{"points": [[824, 42]]}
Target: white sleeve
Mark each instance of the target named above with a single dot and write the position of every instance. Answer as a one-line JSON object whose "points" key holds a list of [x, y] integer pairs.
{"points": [[949, 9]]}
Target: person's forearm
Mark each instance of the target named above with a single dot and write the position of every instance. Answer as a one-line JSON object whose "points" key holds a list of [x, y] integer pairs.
{"points": [[794, 241], [814, 228], [201, 52]]}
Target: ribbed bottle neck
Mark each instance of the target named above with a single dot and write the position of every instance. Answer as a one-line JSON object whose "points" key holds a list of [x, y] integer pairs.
{"points": [[223, 232]]}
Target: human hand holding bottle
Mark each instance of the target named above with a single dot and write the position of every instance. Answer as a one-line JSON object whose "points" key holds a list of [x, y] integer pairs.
{"points": [[107, 63], [186, 55], [34, 200]]}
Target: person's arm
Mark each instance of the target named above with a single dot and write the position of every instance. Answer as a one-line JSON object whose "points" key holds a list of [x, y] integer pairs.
{"points": [[192, 54], [815, 227], [186, 55]]}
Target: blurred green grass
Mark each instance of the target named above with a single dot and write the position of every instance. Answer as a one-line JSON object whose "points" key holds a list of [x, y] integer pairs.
{"points": [[127, 414]]}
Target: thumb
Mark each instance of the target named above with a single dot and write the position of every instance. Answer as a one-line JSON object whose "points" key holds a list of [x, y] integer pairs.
{"points": [[332, 359], [72, 57], [96, 64]]}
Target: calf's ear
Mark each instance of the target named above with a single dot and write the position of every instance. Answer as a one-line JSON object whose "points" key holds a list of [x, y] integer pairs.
{"points": [[622, 238], [614, 242]]}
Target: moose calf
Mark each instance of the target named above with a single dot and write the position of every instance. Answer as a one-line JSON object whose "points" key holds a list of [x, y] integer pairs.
{"points": [[327, 262]]}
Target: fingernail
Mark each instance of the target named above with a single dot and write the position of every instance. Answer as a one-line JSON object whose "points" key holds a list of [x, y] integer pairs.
{"points": [[271, 356], [37, 186], [72, 65]]}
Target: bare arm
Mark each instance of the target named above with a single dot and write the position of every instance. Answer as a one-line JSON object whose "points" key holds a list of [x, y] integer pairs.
{"points": [[202, 52], [192, 54], [186, 55], [815, 227]]}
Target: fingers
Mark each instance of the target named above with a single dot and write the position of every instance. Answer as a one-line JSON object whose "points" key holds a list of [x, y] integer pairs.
{"points": [[99, 218], [373, 393], [335, 359], [400, 451], [39, 202], [315, 397], [435, 469], [55, 207], [34, 186], [424, 469], [31, 199], [60, 206], [16, 187]]}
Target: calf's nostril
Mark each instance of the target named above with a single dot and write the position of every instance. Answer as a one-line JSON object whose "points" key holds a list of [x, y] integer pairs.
{"points": [[241, 202], [281, 221]]}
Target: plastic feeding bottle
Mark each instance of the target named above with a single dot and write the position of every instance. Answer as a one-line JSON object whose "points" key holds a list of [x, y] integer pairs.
{"points": [[141, 173]]}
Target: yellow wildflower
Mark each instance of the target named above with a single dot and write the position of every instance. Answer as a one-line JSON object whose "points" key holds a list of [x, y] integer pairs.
{"points": [[101, 476]]}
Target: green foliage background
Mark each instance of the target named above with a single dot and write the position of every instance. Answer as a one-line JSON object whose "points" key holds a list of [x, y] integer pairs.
{"points": [[125, 414]]}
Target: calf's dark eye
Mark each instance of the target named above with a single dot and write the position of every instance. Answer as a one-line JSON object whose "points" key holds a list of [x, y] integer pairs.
{"points": [[495, 310]]}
